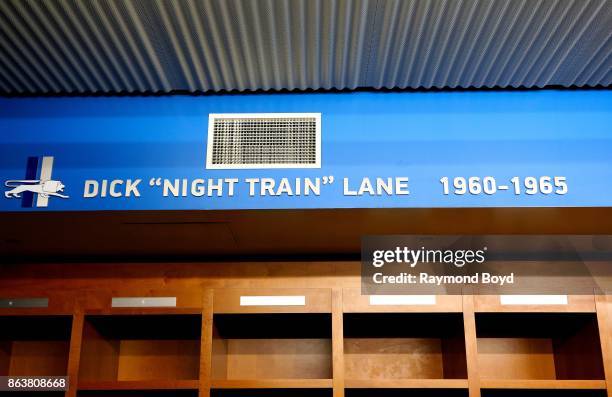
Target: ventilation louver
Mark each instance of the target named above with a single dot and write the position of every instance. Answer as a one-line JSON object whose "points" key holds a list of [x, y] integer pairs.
{"points": [[264, 140]]}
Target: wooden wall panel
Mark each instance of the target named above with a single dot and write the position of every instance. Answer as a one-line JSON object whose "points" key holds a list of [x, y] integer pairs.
{"points": [[119, 234], [393, 358], [516, 358], [39, 358], [99, 281], [279, 359], [160, 359], [584, 345], [455, 362], [99, 356], [219, 357]]}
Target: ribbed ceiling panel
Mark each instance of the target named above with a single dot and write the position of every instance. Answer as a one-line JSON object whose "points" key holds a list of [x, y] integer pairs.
{"points": [[111, 46]]}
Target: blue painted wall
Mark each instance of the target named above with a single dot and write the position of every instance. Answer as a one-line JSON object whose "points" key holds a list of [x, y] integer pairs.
{"points": [[423, 136]]}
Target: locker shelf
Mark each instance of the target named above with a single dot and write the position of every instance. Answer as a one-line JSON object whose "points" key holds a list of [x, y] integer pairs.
{"points": [[138, 393], [293, 392], [406, 383], [542, 384], [139, 385], [272, 347], [539, 347], [405, 347], [271, 384], [542, 393], [413, 392], [34, 345], [140, 348]]}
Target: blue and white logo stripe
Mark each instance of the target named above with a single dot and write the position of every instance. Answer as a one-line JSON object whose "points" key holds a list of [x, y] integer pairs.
{"points": [[37, 186]]}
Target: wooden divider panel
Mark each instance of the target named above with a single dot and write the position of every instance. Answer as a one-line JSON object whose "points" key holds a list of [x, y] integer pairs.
{"points": [[206, 341], [471, 347], [604, 317], [338, 344]]}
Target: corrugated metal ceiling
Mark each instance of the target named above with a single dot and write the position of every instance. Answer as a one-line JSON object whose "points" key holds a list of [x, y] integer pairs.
{"points": [[113, 46]]}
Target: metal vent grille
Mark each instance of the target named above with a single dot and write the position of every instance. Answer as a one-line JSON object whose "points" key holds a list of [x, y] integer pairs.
{"points": [[264, 140]]}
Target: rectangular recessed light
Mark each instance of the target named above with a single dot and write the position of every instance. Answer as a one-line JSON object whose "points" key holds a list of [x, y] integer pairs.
{"points": [[291, 300], [12, 303], [402, 300], [144, 302], [533, 299]]}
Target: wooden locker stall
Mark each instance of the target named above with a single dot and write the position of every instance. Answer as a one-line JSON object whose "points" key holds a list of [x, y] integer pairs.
{"points": [[280, 322], [264, 329]]}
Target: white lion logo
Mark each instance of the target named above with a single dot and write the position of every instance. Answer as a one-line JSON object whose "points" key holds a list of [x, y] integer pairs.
{"points": [[44, 188]]}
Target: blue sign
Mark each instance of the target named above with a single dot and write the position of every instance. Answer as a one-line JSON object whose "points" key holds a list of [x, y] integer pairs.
{"points": [[545, 148]]}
